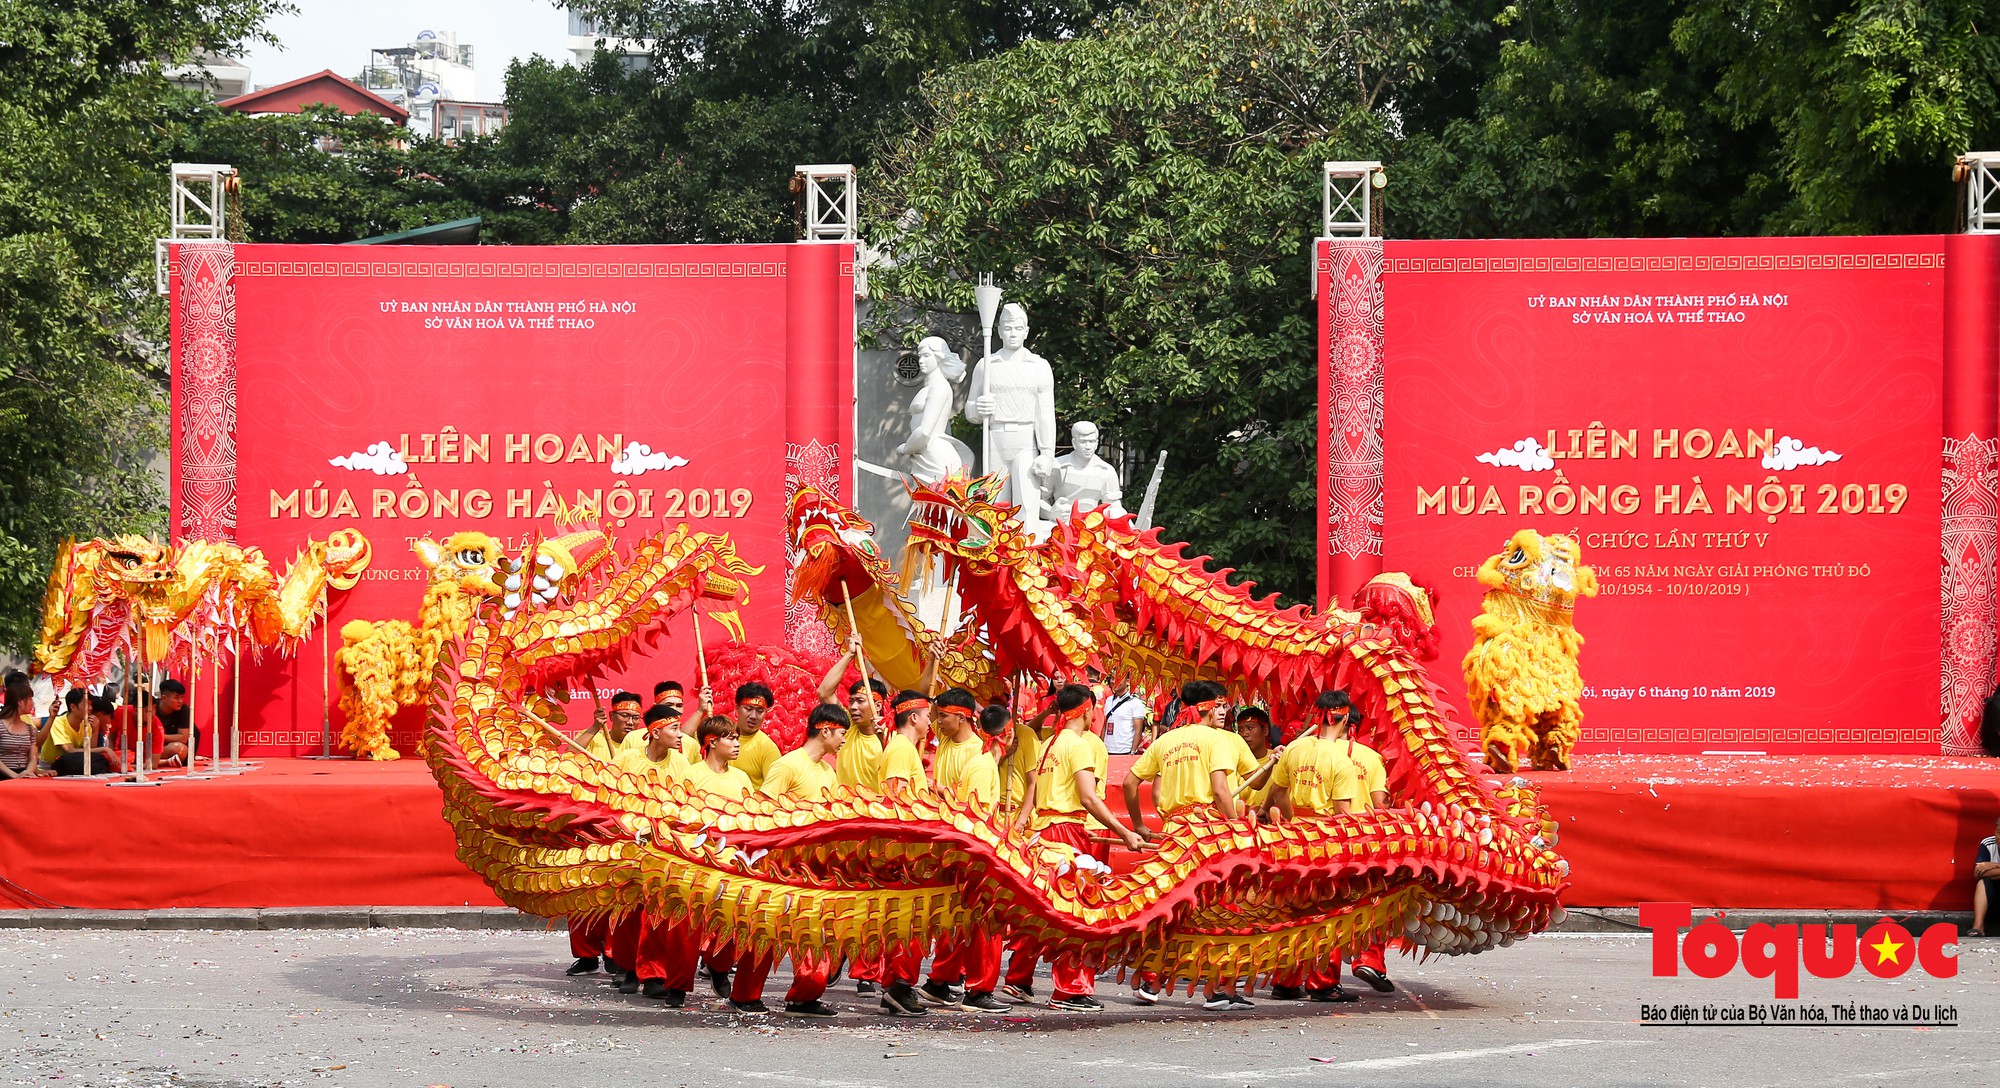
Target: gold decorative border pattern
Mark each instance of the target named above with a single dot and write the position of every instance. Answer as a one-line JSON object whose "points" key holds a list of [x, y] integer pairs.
{"points": [[1671, 262], [1764, 735], [513, 269]]}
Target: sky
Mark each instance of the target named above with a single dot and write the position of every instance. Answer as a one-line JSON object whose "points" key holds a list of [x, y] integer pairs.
{"points": [[338, 34]]}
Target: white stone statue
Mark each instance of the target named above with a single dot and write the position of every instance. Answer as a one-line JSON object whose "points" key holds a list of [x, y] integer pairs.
{"points": [[1013, 395], [933, 453], [1082, 480]]}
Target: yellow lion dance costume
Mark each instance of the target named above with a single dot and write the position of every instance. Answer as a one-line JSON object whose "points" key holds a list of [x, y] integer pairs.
{"points": [[1521, 673]]}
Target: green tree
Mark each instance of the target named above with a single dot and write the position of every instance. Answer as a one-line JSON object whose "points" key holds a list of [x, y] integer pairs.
{"points": [[84, 126], [1150, 193], [741, 91]]}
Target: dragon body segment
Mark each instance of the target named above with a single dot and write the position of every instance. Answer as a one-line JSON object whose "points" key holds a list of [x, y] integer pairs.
{"points": [[105, 596], [557, 832]]}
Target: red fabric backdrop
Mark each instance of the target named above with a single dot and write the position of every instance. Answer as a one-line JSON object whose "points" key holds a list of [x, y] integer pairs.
{"points": [[1805, 623], [504, 381]]}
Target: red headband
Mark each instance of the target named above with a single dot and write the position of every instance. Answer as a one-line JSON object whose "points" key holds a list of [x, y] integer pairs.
{"points": [[919, 703], [755, 700]]}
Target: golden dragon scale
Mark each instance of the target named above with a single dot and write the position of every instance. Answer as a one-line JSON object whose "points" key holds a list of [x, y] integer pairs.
{"points": [[556, 832]]}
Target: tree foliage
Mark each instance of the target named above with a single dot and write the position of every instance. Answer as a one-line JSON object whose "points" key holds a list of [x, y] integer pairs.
{"points": [[1145, 191], [83, 133], [1149, 190]]}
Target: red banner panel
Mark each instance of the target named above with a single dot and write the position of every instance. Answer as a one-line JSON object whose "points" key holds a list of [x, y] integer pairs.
{"points": [[1743, 435], [417, 392]]}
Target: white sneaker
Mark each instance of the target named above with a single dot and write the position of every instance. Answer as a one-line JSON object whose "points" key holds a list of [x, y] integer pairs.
{"points": [[1144, 994], [1221, 1003]]}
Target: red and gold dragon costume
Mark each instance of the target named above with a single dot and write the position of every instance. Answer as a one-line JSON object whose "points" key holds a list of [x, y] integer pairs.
{"points": [[556, 832], [185, 600]]}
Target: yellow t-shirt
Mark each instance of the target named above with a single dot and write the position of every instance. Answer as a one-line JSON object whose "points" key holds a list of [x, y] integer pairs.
{"points": [[796, 774], [731, 784], [62, 732], [758, 753], [600, 745], [1100, 765], [1056, 797], [1317, 774], [1182, 763], [1370, 777], [1239, 749], [1021, 765], [636, 761], [966, 769], [900, 759], [690, 747], [857, 765]]}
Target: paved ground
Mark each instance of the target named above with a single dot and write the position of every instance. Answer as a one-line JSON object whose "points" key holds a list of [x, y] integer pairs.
{"points": [[445, 1007]]}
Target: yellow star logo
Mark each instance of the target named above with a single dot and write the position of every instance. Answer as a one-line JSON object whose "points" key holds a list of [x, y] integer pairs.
{"points": [[1888, 951]]}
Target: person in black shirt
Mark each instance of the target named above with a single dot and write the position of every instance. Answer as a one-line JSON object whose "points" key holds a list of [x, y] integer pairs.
{"points": [[176, 722]]}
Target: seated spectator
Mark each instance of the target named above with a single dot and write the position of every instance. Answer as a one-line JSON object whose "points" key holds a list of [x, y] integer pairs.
{"points": [[75, 739], [19, 735], [1985, 881], [175, 723]]}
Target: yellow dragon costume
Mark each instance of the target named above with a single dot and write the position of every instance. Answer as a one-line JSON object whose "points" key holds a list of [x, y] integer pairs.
{"points": [[1459, 868], [187, 599]]}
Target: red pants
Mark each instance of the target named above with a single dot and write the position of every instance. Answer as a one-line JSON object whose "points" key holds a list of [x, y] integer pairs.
{"points": [[808, 979], [975, 961], [1326, 975], [623, 944], [586, 939], [1071, 976]]}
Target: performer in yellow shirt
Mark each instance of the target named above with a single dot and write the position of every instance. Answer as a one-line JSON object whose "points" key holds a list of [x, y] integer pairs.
{"points": [[1063, 793], [899, 772], [1319, 776], [605, 739], [801, 774], [662, 761], [856, 766], [1193, 767], [1262, 737], [607, 735], [753, 701], [964, 771]]}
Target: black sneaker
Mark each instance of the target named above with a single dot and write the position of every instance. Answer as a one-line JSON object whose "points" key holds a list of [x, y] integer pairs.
{"points": [[750, 1008], [1331, 993], [818, 1009], [654, 988], [863, 986], [1145, 992], [1241, 1002], [1287, 993], [938, 993], [584, 965], [611, 967], [672, 999], [720, 981], [1074, 1003], [1376, 980], [1023, 995], [902, 1001], [984, 1002], [628, 983]]}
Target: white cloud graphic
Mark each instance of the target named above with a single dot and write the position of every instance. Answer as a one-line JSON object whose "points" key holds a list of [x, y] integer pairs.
{"points": [[1790, 453], [639, 459], [1526, 455], [382, 459]]}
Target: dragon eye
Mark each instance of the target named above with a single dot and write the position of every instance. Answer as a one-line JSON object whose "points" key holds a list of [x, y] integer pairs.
{"points": [[1519, 555], [471, 557]]}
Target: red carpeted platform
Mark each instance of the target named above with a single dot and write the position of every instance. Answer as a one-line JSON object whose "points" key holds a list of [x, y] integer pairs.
{"points": [[294, 833], [1830, 833], [1833, 832]]}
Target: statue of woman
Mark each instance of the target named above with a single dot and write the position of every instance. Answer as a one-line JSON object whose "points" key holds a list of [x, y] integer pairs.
{"points": [[930, 414]]}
